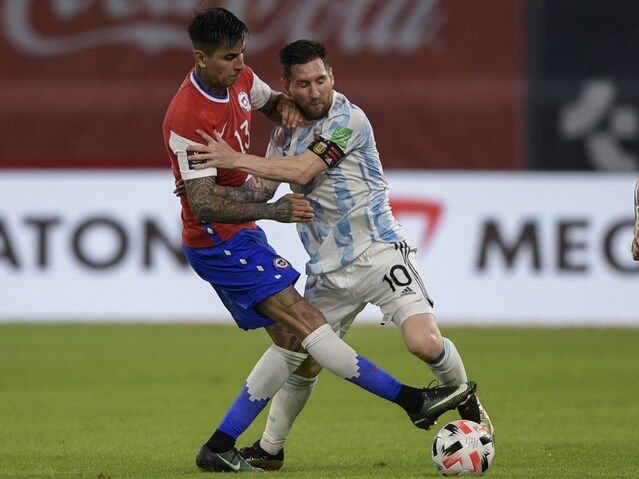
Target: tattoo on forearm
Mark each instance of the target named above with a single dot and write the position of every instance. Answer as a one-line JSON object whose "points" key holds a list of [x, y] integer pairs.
{"points": [[211, 202], [255, 190], [209, 207]]}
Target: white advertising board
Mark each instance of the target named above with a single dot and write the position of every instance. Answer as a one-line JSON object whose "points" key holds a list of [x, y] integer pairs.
{"points": [[494, 248]]}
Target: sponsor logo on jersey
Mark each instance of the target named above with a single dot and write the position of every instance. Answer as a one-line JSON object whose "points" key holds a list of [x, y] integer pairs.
{"points": [[341, 136], [244, 101], [280, 263]]}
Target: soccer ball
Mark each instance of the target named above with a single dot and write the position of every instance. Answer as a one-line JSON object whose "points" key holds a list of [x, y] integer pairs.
{"points": [[463, 448]]}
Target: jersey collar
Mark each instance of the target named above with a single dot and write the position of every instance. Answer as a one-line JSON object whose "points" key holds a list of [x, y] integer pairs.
{"points": [[211, 96]]}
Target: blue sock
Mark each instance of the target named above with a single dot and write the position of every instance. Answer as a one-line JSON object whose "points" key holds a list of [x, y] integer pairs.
{"points": [[241, 414], [376, 380]]}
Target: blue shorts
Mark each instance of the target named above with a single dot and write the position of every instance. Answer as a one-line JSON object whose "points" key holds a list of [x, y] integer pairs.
{"points": [[244, 271]]}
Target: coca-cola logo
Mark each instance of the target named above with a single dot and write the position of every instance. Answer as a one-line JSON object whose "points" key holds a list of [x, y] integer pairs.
{"points": [[377, 26]]}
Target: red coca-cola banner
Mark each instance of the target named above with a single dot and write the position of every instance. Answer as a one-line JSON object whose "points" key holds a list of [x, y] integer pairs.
{"points": [[85, 83]]}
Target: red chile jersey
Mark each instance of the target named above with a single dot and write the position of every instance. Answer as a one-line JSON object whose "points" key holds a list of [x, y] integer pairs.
{"points": [[193, 107]]}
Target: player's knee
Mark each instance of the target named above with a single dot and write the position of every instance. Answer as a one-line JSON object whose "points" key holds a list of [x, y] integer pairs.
{"points": [[311, 316], [422, 336], [426, 347]]}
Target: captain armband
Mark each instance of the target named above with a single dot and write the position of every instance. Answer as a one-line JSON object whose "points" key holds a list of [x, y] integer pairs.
{"points": [[328, 151]]}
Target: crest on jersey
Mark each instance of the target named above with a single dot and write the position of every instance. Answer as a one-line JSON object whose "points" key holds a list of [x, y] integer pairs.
{"points": [[244, 101], [280, 263]]}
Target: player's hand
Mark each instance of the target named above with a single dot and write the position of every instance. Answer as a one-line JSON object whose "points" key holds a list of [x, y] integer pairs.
{"points": [[180, 189], [217, 153], [292, 208], [291, 116]]}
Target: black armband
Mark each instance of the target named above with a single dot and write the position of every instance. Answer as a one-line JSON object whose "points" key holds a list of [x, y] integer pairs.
{"points": [[328, 151]]}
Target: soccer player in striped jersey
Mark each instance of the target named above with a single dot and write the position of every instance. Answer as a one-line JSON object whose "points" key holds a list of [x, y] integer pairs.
{"points": [[359, 253], [228, 250]]}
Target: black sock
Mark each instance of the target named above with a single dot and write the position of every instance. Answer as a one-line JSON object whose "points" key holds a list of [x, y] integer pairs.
{"points": [[410, 399], [220, 442]]}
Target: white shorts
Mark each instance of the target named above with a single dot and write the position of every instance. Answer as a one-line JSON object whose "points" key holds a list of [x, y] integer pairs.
{"points": [[384, 275]]}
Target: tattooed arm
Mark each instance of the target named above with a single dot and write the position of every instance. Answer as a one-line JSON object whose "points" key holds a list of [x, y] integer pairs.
{"points": [[210, 202], [254, 190]]}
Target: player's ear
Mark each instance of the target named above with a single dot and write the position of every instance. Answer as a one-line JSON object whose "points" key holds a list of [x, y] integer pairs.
{"points": [[287, 86], [330, 76], [199, 57]]}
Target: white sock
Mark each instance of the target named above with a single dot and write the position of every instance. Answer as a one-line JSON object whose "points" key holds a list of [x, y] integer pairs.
{"points": [[449, 367], [331, 352], [285, 407], [271, 372]]}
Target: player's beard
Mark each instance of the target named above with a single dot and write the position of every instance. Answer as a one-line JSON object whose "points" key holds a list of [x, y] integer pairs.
{"points": [[317, 110]]}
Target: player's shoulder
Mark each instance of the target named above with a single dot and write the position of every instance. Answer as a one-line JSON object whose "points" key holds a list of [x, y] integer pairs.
{"points": [[344, 111], [343, 106], [186, 93], [184, 104]]}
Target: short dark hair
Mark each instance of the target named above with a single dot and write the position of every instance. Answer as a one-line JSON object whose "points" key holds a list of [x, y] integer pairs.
{"points": [[215, 28], [300, 52]]}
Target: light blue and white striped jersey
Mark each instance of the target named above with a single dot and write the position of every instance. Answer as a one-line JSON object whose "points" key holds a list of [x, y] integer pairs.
{"points": [[349, 200]]}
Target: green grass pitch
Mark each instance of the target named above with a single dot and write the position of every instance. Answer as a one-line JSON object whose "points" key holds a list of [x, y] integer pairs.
{"points": [[136, 401]]}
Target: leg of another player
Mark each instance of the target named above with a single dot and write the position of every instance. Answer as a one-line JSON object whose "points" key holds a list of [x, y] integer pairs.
{"points": [[268, 375], [322, 343], [318, 338], [299, 320], [423, 339], [287, 405], [268, 451]]}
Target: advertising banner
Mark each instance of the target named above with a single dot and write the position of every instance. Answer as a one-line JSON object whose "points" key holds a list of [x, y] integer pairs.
{"points": [[492, 248], [85, 84]]}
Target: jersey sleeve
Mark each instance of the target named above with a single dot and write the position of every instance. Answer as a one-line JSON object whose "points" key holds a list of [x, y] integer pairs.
{"points": [[341, 133], [178, 145], [260, 93], [276, 143]]}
